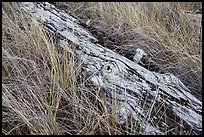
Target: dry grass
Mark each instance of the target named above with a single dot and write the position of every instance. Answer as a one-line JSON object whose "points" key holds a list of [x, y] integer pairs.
{"points": [[164, 30], [41, 89]]}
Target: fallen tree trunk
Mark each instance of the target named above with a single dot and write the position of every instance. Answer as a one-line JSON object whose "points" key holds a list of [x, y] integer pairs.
{"points": [[160, 103]]}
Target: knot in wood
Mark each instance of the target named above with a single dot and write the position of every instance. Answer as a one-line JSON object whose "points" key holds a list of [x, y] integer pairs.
{"points": [[110, 72], [110, 67]]}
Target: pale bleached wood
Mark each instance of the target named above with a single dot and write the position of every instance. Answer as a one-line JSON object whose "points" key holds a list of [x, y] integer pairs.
{"points": [[156, 101]]}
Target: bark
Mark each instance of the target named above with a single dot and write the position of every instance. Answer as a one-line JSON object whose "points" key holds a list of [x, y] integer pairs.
{"points": [[160, 103]]}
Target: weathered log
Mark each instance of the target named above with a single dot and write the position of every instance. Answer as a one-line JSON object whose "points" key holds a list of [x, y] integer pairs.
{"points": [[160, 103]]}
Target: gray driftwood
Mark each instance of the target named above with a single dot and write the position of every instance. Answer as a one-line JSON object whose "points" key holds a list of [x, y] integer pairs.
{"points": [[160, 103]]}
